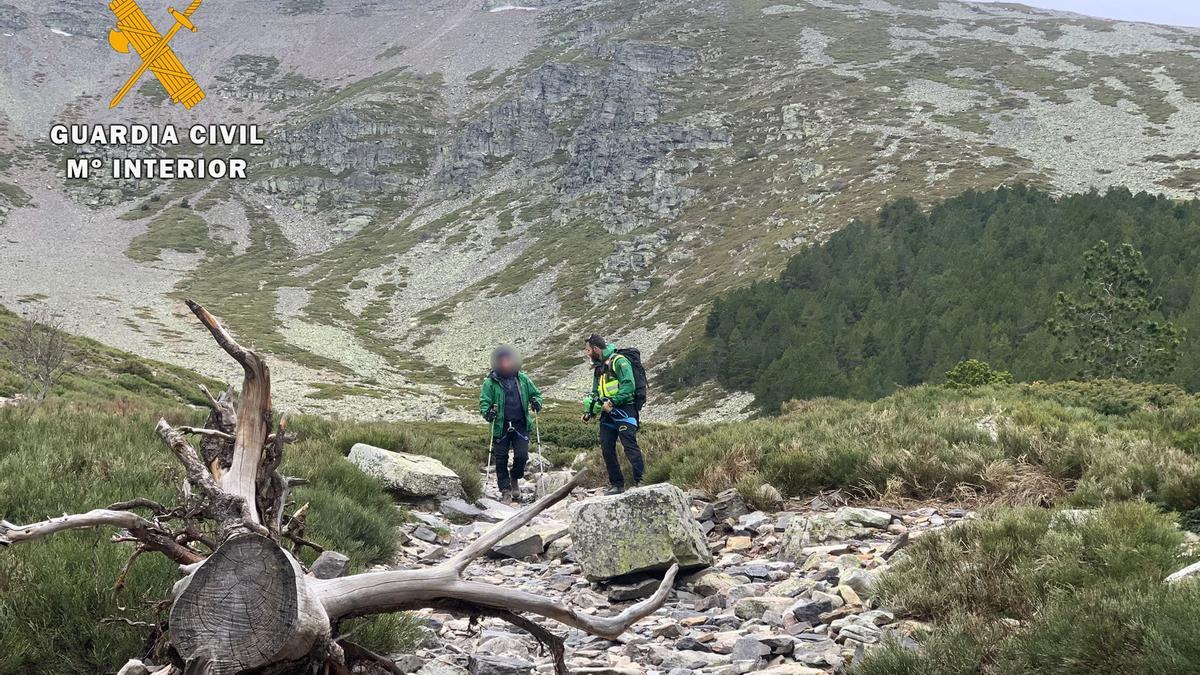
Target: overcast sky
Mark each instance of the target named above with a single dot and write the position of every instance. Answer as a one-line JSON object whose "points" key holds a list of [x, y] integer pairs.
{"points": [[1174, 12]]}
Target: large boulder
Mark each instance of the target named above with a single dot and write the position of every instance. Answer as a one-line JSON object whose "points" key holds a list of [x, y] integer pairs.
{"points": [[407, 475], [643, 530]]}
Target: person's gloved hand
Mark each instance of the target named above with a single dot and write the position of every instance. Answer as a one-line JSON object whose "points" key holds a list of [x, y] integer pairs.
{"points": [[535, 405], [490, 415], [586, 418], [608, 405]]}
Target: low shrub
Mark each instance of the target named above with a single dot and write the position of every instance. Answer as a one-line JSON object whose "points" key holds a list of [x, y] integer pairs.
{"points": [[974, 373], [1029, 590], [1011, 443]]}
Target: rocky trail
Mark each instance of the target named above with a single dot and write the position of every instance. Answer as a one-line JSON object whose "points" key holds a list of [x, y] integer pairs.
{"points": [[787, 592]]}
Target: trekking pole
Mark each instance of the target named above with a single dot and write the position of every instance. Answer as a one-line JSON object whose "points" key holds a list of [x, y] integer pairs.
{"points": [[537, 430], [488, 473]]}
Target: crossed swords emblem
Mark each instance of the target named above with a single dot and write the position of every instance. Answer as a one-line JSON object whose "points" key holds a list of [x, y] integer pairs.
{"points": [[135, 30]]}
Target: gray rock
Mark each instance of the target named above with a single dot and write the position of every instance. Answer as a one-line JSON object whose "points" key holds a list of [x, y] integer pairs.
{"points": [[862, 581], [729, 505], [861, 516], [642, 530], [406, 474], [494, 511], [529, 541], [504, 645], [749, 649], [754, 608], [551, 481], [709, 582], [330, 565], [443, 666], [633, 591], [425, 534], [768, 496], [751, 521], [809, 611], [459, 509], [495, 664], [407, 663]]}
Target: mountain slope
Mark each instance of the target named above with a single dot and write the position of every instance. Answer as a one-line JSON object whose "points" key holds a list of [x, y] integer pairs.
{"points": [[468, 173]]}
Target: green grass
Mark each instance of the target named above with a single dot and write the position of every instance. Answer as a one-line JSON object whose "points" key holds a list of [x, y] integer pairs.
{"points": [[1075, 443], [174, 229], [70, 457], [93, 443], [14, 194], [1029, 590]]}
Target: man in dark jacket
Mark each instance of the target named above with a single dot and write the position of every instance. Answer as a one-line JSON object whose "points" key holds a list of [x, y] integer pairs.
{"points": [[612, 397], [505, 399]]}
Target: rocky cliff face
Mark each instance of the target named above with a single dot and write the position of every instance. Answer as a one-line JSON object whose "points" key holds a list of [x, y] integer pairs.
{"points": [[473, 172]]}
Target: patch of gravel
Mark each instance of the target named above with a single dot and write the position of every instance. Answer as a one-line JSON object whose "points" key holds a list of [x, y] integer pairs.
{"points": [[331, 342], [227, 223], [1091, 160], [523, 319]]}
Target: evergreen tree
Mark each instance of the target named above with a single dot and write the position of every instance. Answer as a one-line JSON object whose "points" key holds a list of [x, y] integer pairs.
{"points": [[901, 299], [1113, 331]]}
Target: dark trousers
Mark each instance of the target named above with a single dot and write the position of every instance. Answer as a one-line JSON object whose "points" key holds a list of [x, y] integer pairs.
{"points": [[610, 432], [519, 444]]}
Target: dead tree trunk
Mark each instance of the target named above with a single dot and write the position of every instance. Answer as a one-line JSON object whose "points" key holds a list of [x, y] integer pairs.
{"points": [[245, 603]]}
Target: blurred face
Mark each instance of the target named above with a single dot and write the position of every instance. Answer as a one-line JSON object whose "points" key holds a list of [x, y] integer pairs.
{"points": [[593, 352], [506, 364]]}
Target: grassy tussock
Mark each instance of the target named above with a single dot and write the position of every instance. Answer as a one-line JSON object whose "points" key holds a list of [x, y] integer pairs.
{"points": [[1084, 444], [1030, 590]]}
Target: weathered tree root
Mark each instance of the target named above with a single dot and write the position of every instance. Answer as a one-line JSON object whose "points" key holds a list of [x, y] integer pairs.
{"points": [[245, 602]]}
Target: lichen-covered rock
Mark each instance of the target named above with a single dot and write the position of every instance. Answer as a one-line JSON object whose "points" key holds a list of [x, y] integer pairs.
{"points": [[754, 608], [643, 530], [405, 474], [865, 517]]}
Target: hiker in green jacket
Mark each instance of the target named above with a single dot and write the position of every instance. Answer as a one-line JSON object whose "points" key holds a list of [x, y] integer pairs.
{"points": [[613, 399], [504, 401]]}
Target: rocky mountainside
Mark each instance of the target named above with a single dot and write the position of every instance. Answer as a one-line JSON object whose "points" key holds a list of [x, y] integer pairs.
{"points": [[442, 175]]}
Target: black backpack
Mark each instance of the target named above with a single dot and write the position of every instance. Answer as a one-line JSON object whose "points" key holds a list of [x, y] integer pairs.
{"points": [[639, 375]]}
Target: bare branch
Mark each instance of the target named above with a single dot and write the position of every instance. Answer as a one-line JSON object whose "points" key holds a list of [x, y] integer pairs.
{"points": [[200, 431], [253, 415], [147, 534], [225, 507], [495, 535], [139, 503], [39, 351], [16, 534], [197, 474], [398, 590]]}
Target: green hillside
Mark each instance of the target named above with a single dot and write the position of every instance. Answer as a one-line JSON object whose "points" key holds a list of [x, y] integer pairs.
{"points": [[899, 300]]}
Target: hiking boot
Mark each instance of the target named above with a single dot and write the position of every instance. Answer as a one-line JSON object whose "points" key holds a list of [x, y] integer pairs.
{"points": [[615, 490], [514, 495], [637, 484]]}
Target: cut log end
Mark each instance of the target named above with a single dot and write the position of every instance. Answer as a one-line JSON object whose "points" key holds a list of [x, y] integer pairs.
{"points": [[246, 607]]}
